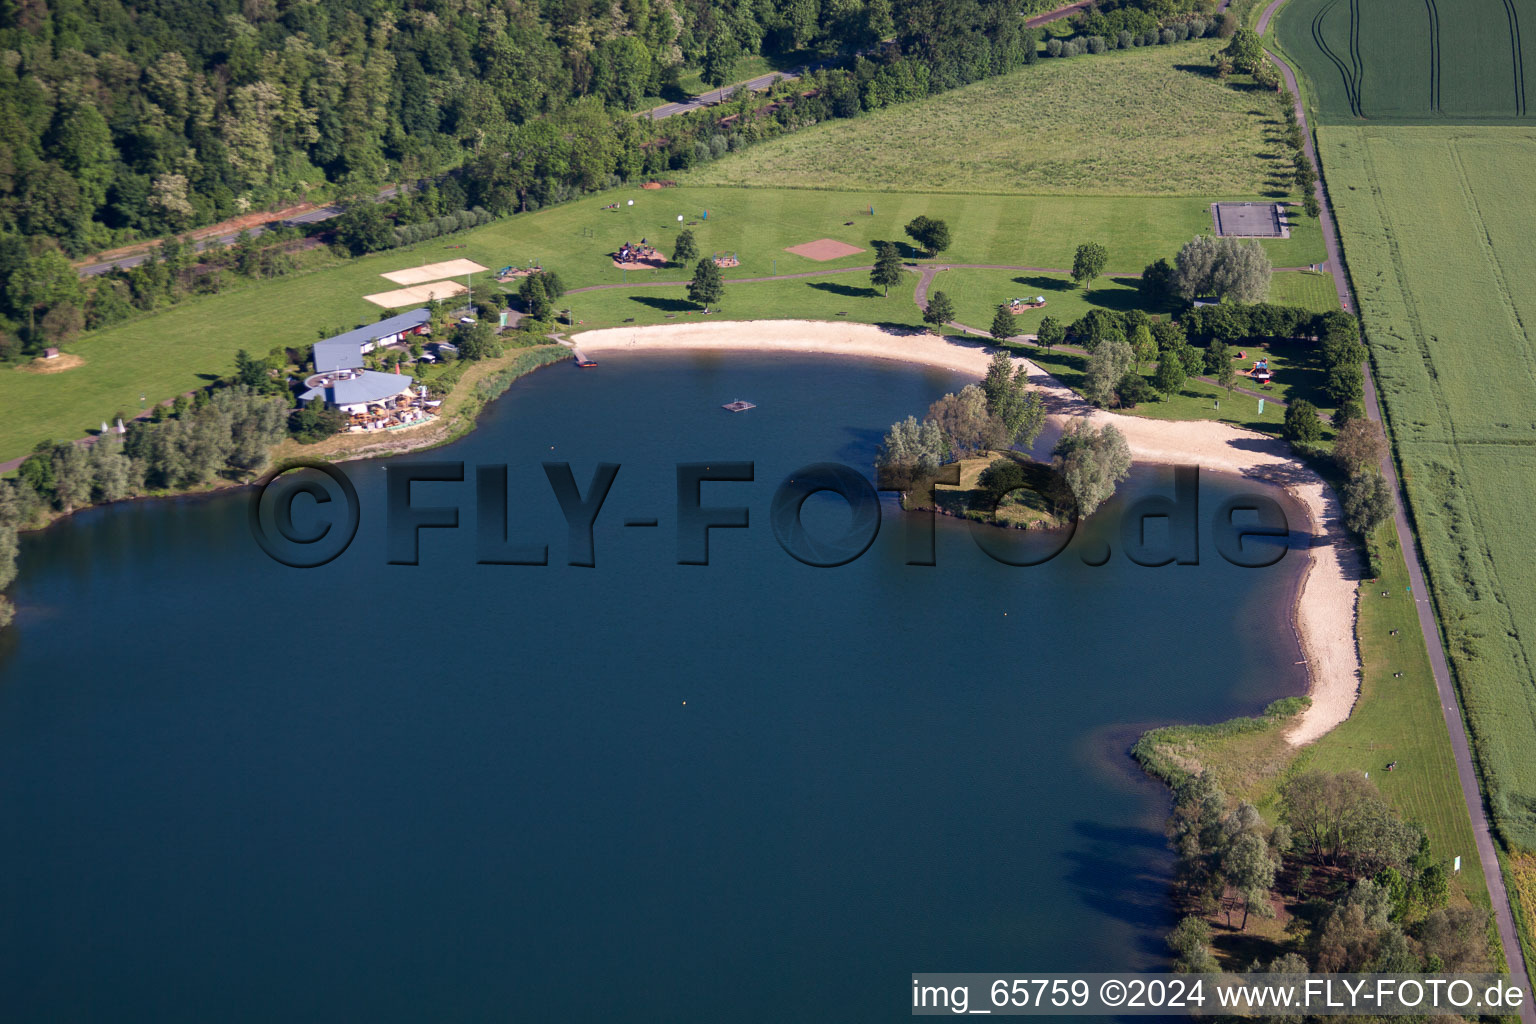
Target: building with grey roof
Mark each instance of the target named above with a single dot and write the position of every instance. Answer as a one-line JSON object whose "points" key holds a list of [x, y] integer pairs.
{"points": [[339, 378]]}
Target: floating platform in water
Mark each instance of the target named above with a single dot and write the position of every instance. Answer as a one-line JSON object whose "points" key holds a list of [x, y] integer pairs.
{"points": [[583, 361], [738, 406]]}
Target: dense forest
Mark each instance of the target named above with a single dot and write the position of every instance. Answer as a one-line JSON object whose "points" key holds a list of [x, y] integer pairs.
{"points": [[162, 115]]}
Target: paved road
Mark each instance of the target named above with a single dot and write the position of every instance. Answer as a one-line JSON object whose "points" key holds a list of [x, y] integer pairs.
{"points": [[223, 240], [762, 83], [1466, 772]]}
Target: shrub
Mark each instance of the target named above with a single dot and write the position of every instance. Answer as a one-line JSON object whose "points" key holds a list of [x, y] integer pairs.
{"points": [[1096, 44], [1053, 48], [1123, 40], [1167, 36], [1301, 423], [1197, 28]]}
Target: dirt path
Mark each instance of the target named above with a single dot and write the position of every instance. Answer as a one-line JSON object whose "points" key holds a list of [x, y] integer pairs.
{"points": [[1450, 707]]}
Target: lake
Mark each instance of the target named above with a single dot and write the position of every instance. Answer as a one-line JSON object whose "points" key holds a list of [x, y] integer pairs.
{"points": [[752, 790]]}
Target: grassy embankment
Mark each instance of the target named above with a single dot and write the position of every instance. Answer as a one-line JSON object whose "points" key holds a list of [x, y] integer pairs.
{"points": [[161, 355], [1146, 121]]}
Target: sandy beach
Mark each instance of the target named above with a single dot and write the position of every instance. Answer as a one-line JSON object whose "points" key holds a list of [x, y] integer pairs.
{"points": [[1324, 615]]}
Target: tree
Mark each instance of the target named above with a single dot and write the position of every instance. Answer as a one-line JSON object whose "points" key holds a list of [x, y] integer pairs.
{"points": [[1132, 390], [911, 449], [685, 250], [930, 235], [1226, 373], [1021, 411], [1359, 445], [969, 426], [1191, 941], [1143, 347], [1301, 423], [938, 312], [1158, 284], [1004, 324], [1107, 367], [1345, 382], [1245, 51], [1223, 268], [1089, 262], [719, 62], [1001, 477], [887, 268], [363, 228], [1367, 502], [538, 293], [1170, 374], [1090, 463], [706, 286], [1051, 334], [1250, 868]]}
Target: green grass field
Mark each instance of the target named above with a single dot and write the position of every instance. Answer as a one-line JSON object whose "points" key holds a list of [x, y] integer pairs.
{"points": [[162, 355], [1436, 225], [1144, 121], [1304, 288], [1437, 62]]}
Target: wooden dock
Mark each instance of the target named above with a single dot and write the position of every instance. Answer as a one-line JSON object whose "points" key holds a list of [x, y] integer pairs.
{"points": [[581, 358], [738, 406]]}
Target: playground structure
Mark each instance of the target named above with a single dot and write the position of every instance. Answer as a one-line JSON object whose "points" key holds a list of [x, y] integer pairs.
{"points": [[726, 259], [1259, 371], [512, 272], [1020, 305], [639, 257]]}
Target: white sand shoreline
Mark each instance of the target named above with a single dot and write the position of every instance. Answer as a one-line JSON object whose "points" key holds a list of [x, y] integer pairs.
{"points": [[1325, 608]]}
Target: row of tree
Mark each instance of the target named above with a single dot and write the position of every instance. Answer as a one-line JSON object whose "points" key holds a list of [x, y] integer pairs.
{"points": [[1363, 889]]}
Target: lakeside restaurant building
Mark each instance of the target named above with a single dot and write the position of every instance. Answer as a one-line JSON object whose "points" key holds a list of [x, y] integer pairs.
{"points": [[340, 379]]}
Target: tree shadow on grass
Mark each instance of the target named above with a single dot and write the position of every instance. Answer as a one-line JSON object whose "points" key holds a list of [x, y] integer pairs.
{"points": [[1203, 70], [1121, 300], [847, 290], [1047, 284], [906, 249], [665, 305]]}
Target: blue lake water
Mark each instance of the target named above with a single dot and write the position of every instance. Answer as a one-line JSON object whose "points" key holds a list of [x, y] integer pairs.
{"points": [[753, 790]]}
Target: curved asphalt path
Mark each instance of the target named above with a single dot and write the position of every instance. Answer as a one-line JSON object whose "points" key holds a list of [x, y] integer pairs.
{"points": [[1450, 709]]}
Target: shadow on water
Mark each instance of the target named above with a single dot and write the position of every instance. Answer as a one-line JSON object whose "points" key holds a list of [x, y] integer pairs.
{"points": [[1116, 869]]}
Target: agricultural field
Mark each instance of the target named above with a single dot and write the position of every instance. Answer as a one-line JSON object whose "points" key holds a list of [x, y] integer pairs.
{"points": [[161, 355], [1436, 223], [1145, 121], [1440, 61]]}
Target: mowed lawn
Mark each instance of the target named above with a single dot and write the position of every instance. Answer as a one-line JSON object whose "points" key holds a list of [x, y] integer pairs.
{"points": [[1437, 225], [1304, 288], [1448, 60], [162, 355], [1145, 121]]}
